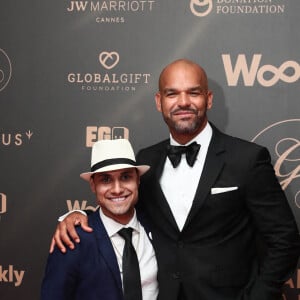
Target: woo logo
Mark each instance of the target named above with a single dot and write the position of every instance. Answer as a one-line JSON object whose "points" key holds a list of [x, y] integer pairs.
{"points": [[201, 8], [5, 69], [283, 139], [76, 205], [255, 71], [94, 134], [109, 59], [3, 203]]}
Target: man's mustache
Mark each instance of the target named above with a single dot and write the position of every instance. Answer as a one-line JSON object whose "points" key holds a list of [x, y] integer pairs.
{"points": [[180, 110]]}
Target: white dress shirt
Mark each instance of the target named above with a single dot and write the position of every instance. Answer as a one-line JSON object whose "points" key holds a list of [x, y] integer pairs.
{"points": [[144, 250], [179, 184]]}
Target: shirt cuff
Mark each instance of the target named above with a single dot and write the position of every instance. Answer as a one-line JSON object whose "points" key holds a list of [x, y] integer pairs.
{"points": [[61, 218]]}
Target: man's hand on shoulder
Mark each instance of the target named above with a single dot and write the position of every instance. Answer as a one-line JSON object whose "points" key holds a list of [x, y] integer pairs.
{"points": [[65, 234]]}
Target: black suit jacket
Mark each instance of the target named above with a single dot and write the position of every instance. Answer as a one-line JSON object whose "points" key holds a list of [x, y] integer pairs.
{"points": [[215, 256]]}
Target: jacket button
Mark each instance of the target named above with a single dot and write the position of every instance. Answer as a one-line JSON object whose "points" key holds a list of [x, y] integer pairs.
{"points": [[176, 275]]}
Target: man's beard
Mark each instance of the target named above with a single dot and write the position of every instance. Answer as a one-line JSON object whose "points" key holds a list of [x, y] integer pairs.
{"points": [[184, 126]]}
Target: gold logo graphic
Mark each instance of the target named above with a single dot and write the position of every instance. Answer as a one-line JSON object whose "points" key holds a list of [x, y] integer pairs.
{"points": [[253, 70], [109, 59], [201, 8], [3, 204], [15, 139], [5, 69], [94, 134], [80, 205], [11, 275], [110, 12], [282, 139]]}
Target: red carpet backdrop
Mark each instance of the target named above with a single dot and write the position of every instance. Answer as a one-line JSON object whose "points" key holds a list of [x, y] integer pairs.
{"points": [[73, 72]]}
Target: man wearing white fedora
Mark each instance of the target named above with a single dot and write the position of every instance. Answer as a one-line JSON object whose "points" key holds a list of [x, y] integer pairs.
{"points": [[222, 226], [97, 269]]}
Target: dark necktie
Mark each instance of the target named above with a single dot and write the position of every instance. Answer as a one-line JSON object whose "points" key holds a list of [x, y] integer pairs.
{"points": [[175, 152], [131, 270]]}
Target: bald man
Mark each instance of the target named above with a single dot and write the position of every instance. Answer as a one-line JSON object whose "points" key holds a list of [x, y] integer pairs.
{"points": [[209, 203]]}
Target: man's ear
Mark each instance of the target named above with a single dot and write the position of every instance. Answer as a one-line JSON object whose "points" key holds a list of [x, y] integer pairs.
{"points": [[210, 97], [158, 101]]}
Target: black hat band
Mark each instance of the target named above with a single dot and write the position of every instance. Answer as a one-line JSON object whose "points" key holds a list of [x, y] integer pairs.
{"points": [[113, 161]]}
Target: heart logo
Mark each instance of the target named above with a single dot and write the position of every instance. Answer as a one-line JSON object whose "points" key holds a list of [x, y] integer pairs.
{"points": [[109, 59]]}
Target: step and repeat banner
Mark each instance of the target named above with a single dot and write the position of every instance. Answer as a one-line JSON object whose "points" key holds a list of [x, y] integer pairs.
{"points": [[74, 72]]}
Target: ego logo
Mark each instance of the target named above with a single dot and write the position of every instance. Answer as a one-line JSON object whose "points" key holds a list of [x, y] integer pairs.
{"points": [[109, 59], [283, 139], [201, 8], [266, 75], [5, 69], [94, 134]]}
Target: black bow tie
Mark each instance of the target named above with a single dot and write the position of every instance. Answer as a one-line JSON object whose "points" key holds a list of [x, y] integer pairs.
{"points": [[174, 153]]}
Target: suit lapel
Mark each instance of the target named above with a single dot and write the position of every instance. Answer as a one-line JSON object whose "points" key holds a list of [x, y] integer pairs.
{"points": [[105, 247], [158, 163], [214, 163]]}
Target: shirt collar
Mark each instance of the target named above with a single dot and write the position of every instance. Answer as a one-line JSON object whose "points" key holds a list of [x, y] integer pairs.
{"points": [[112, 227]]}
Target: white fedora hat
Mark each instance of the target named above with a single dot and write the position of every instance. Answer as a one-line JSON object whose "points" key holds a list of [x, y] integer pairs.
{"points": [[110, 155]]}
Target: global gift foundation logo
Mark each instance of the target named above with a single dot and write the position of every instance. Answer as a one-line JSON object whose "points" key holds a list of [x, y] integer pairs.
{"points": [[105, 79], [111, 11], [202, 8], [5, 69], [283, 141]]}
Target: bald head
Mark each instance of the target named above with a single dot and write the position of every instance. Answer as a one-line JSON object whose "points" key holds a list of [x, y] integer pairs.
{"points": [[182, 68]]}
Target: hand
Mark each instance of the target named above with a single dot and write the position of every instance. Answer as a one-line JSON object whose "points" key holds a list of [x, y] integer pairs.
{"points": [[65, 232]]}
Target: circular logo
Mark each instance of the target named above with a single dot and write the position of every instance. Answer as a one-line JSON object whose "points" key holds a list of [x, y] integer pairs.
{"points": [[283, 141], [201, 8], [5, 69]]}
